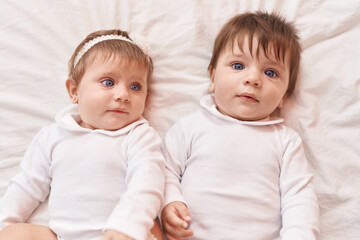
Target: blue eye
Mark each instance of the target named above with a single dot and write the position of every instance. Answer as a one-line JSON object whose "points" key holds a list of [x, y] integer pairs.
{"points": [[237, 66], [108, 82], [135, 87], [270, 73]]}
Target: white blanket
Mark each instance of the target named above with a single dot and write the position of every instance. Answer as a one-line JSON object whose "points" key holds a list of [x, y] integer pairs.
{"points": [[37, 37]]}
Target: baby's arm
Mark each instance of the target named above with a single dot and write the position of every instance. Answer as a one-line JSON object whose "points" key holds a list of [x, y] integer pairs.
{"points": [[139, 204], [30, 186], [175, 218], [299, 206]]}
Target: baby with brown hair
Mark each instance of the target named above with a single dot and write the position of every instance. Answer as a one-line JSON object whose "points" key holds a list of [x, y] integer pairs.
{"points": [[234, 170]]}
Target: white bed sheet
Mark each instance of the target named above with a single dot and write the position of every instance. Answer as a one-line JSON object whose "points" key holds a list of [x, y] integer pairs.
{"points": [[37, 37]]}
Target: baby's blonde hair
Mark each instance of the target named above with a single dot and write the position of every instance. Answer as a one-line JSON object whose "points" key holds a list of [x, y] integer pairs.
{"points": [[129, 51]]}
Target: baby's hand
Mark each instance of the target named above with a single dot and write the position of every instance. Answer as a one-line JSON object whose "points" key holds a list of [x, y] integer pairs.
{"points": [[175, 220], [115, 235]]}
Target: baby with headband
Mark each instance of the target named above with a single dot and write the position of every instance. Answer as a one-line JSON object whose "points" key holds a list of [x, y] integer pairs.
{"points": [[100, 164]]}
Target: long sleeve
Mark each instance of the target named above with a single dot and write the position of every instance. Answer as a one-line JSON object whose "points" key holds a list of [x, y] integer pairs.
{"points": [[253, 174], [30, 186], [299, 205], [176, 153], [142, 199]]}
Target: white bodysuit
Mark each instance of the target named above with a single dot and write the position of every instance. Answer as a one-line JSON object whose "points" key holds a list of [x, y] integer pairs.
{"points": [[240, 179], [95, 179]]}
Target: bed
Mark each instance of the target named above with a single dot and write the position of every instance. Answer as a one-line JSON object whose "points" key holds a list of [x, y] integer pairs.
{"points": [[37, 37]]}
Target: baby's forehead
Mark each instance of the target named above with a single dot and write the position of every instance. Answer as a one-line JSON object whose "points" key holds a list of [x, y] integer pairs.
{"points": [[258, 48]]}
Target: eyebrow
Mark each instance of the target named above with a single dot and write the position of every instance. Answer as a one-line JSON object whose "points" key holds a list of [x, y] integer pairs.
{"points": [[278, 64]]}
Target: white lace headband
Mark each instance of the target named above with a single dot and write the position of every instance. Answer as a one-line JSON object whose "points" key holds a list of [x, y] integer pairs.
{"points": [[136, 39]]}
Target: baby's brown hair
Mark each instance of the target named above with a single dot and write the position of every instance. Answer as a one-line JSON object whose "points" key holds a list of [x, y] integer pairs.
{"points": [[130, 51], [272, 32]]}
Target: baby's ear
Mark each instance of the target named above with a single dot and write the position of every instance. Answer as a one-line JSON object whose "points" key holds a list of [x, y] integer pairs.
{"points": [[282, 100], [212, 79], [72, 90], [147, 98]]}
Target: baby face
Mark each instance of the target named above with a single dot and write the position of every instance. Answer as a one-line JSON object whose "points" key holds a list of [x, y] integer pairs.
{"points": [[112, 93], [249, 86]]}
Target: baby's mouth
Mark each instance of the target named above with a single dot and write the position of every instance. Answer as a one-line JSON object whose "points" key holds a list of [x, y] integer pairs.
{"points": [[248, 97]]}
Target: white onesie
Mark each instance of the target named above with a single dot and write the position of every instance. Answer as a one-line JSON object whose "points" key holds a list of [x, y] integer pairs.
{"points": [[95, 179], [239, 179]]}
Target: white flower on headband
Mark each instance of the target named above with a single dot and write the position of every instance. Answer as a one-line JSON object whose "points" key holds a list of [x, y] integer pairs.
{"points": [[136, 39], [141, 42]]}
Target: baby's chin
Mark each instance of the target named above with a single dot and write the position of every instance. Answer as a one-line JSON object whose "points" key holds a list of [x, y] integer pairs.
{"points": [[245, 116], [254, 119], [106, 126], [118, 125], [115, 127]]}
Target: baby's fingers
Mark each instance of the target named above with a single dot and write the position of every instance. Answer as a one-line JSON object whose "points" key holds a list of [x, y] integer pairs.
{"points": [[184, 214], [174, 233], [177, 222]]}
